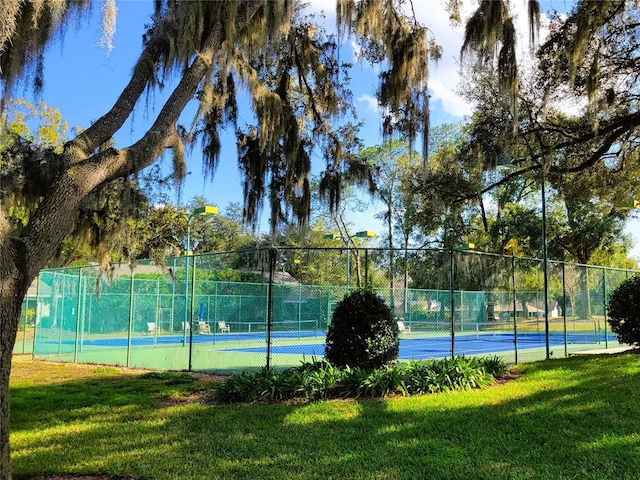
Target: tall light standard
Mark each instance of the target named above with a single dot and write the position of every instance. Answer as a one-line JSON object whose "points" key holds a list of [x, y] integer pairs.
{"points": [[505, 164], [188, 307], [347, 241], [545, 267]]}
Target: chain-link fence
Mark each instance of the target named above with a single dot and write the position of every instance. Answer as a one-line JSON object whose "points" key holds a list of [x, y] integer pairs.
{"points": [[243, 310]]}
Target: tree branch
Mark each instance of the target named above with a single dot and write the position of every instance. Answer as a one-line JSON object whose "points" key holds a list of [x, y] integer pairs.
{"points": [[106, 126]]}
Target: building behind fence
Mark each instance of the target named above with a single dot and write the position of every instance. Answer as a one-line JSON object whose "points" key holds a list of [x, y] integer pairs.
{"points": [[271, 307]]}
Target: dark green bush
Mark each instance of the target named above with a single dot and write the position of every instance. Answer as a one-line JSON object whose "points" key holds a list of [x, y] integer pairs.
{"points": [[624, 311], [363, 333]]}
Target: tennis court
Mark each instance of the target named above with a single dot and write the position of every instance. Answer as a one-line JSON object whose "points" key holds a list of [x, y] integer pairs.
{"points": [[438, 347], [271, 307], [231, 351]]}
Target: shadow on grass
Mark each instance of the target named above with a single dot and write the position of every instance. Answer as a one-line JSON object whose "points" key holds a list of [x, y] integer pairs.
{"points": [[570, 418]]}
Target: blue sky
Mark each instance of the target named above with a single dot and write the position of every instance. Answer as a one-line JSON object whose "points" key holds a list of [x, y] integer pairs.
{"points": [[83, 82]]}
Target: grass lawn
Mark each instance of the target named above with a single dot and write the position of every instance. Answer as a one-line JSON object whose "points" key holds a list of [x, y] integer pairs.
{"points": [[574, 418]]}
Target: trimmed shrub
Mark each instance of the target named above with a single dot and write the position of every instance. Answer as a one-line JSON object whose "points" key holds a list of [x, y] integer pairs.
{"points": [[624, 311], [363, 333]]}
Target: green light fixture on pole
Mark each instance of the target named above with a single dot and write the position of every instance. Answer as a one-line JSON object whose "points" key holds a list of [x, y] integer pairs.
{"points": [[347, 241], [188, 307]]}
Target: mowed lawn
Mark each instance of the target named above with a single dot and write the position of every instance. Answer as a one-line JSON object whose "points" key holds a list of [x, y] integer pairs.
{"points": [[574, 418]]}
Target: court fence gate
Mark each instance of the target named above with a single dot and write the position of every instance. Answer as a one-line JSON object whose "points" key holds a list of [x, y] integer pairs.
{"points": [[270, 307]]}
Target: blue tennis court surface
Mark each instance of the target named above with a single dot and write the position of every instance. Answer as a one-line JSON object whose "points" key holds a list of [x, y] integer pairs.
{"points": [[438, 347], [417, 347]]}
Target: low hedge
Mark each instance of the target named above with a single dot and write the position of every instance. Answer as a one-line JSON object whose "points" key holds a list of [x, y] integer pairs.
{"points": [[322, 380]]}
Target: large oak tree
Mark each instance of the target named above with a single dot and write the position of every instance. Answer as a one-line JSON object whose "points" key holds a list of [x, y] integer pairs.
{"points": [[287, 63]]}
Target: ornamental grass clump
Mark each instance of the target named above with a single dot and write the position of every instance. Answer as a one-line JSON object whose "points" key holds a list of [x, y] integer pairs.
{"points": [[363, 333], [322, 380], [624, 311]]}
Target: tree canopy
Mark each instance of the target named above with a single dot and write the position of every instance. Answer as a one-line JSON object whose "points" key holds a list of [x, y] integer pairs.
{"points": [[575, 119], [299, 95]]}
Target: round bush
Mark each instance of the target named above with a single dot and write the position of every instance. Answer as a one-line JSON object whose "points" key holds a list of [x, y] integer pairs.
{"points": [[624, 311], [363, 333]]}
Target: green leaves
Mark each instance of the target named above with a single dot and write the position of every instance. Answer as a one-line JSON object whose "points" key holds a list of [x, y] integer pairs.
{"points": [[321, 380], [624, 311], [363, 332]]}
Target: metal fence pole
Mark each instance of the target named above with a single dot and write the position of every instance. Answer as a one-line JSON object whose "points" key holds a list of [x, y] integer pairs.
{"points": [[158, 312], [564, 309], [59, 316], [452, 302], [299, 309], [515, 308], [78, 304], [25, 311], [273, 252], [604, 306], [130, 331], [191, 304], [366, 269], [173, 294], [35, 319]]}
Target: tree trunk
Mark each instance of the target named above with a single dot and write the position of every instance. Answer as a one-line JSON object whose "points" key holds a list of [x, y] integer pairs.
{"points": [[13, 288], [21, 259]]}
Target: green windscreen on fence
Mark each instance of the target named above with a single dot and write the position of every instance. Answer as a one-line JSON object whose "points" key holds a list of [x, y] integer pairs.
{"points": [[234, 311]]}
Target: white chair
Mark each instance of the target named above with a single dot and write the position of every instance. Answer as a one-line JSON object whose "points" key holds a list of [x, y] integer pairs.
{"points": [[187, 327], [223, 327], [403, 328], [203, 327], [151, 327]]}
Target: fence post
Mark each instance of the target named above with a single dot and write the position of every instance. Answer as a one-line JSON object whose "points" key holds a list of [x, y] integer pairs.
{"points": [[452, 302], [60, 311], [215, 311], [564, 309], [515, 308], [191, 304], [173, 294], [366, 269], [158, 313], [130, 332], [25, 311], [36, 315], [604, 306], [273, 252], [299, 309], [78, 304]]}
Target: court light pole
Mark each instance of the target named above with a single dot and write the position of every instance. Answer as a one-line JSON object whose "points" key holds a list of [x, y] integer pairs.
{"points": [[545, 267], [188, 314], [505, 164], [347, 241]]}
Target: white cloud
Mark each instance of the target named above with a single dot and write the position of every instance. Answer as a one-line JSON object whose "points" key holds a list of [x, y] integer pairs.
{"points": [[452, 103], [356, 50], [444, 81], [371, 103]]}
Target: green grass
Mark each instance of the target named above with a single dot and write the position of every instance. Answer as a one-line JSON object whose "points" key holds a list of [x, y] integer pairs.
{"points": [[571, 418]]}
